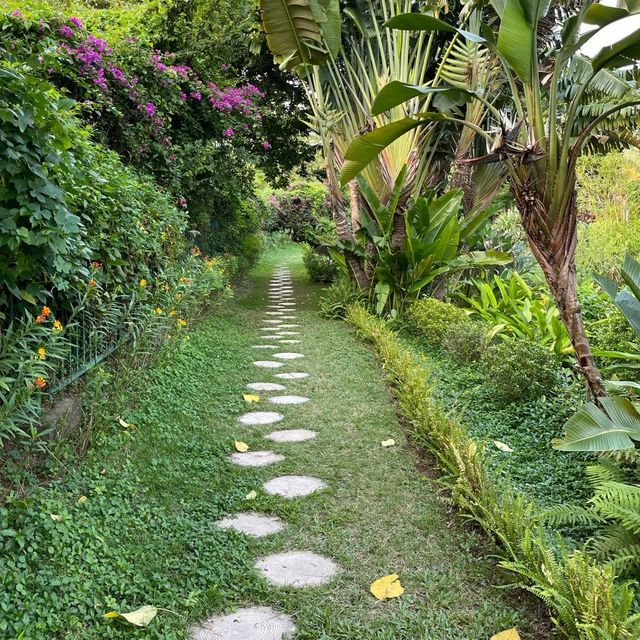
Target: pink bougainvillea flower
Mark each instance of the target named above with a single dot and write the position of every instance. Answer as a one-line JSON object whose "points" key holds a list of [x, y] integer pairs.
{"points": [[183, 96], [150, 108], [266, 145], [17, 14], [76, 22], [66, 31], [227, 133], [196, 95]]}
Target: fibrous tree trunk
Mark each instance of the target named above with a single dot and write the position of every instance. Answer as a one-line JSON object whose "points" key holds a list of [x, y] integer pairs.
{"points": [[344, 232], [554, 248]]}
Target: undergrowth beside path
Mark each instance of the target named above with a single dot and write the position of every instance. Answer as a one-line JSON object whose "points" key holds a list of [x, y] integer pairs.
{"points": [[134, 523]]}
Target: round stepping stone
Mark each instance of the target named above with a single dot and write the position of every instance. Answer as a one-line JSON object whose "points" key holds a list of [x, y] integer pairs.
{"points": [[267, 364], [260, 417], [253, 524], [293, 486], [297, 569], [288, 400], [268, 346], [252, 623], [293, 375], [291, 435], [286, 355], [266, 386], [290, 341], [255, 458]]}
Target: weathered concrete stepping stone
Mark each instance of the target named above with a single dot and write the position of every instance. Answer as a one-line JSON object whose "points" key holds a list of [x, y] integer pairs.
{"points": [[260, 417], [253, 524], [274, 313], [288, 400], [293, 375], [288, 317], [271, 321], [288, 326], [255, 458], [266, 386], [267, 364], [265, 346], [290, 341], [271, 337], [266, 328], [293, 486], [291, 435], [287, 333], [286, 355], [297, 569], [252, 623]]}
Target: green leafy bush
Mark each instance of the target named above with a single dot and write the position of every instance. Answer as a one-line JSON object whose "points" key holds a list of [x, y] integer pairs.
{"points": [[466, 341], [519, 369], [339, 296], [320, 266], [433, 319]]}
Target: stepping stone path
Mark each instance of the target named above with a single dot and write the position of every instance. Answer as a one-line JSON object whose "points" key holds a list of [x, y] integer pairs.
{"points": [[252, 623], [293, 486], [288, 399], [288, 356], [261, 417], [256, 458], [291, 435], [266, 386], [253, 524], [297, 569], [293, 375], [268, 364]]}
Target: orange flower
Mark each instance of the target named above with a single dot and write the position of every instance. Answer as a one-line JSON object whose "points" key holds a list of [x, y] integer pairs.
{"points": [[96, 265], [92, 283], [40, 319], [41, 383], [196, 251], [46, 312]]}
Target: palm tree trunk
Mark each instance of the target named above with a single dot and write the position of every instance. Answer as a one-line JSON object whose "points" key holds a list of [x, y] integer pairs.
{"points": [[554, 249], [356, 269]]}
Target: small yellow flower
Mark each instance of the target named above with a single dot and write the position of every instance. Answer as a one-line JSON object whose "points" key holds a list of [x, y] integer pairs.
{"points": [[158, 310], [143, 282], [57, 325], [42, 353], [173, 312], [182, 323]]}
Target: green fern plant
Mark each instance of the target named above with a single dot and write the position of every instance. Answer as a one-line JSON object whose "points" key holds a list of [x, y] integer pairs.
{"points": [[614, 510]]}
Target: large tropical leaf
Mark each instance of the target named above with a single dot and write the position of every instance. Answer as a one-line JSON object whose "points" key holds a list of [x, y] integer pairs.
{"points": [[613, 427], [627, 301], [621, 53], [301, 31], [395, 93], [423, 22]]}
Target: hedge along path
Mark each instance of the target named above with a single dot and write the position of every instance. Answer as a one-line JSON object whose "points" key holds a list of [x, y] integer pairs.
{"points": [[364, 507]]}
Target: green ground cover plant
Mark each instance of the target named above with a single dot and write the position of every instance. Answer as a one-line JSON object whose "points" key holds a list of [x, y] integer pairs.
{"points": [[583, 595], [133, 524]]}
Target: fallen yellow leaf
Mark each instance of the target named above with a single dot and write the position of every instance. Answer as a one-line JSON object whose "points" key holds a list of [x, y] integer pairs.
{"points": [[123, 423], [82, 499], [139, 618], [509, 634], [251, 397], [388, 443], [387, 587], [251, 495], [502, 446], [241, 446], [56, 517]]}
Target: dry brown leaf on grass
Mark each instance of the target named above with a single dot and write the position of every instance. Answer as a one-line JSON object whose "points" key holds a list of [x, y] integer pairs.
{"points": [[139, 618], [509, 634], [242, 447], [387, 587]]}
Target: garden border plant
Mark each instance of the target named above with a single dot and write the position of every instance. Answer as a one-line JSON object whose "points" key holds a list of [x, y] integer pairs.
{"points": [[586, 600]]}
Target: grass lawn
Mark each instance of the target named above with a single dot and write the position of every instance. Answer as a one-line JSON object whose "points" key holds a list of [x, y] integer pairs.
{"points": [[146, 533]]}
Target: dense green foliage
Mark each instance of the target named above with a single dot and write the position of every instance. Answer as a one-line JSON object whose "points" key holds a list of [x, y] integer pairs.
{"points": [[433, 318]]}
